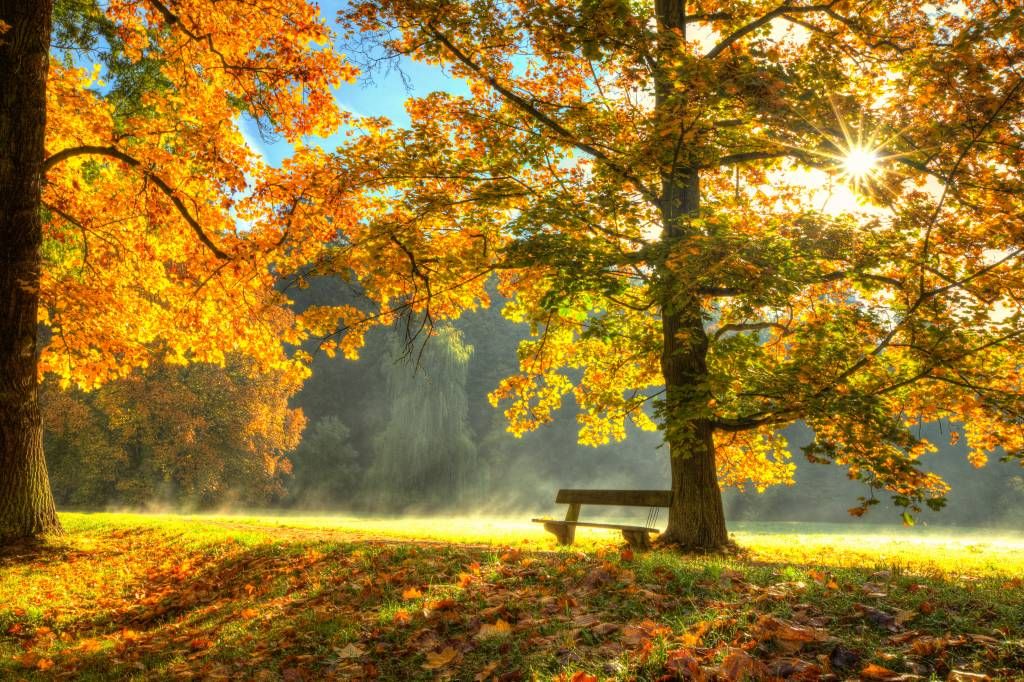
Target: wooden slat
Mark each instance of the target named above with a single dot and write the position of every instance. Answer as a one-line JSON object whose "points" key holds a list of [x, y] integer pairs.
{"points": [[588, 524], [616, 498]]}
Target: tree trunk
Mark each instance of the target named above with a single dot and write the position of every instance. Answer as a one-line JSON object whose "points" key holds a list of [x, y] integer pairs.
{"points": [[696, 518], [26, 502]]}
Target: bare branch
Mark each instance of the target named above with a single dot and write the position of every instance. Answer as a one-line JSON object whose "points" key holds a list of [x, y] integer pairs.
{"points": [[746, 29]]}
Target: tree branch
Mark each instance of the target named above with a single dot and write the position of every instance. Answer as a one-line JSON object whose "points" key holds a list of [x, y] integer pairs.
{"points": [[114, 153], [761, 21], [527, 107]]}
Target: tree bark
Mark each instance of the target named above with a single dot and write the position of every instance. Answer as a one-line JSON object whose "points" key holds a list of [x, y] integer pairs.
{"points": [[696, 518], [26, 501]]}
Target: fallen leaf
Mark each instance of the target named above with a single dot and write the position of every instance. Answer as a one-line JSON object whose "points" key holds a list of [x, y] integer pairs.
{"points": [[877, 672], [350, 651], [692, 637], [411, 593], [440, 659], [441, 604], [793, 669], [842, 658], [585, 620], [788, 636], [683, 664], [485, 672], [200, 643], [248, 613], [499, 628], [738, 665], [964, 676], [878, 617], [604, 629]]}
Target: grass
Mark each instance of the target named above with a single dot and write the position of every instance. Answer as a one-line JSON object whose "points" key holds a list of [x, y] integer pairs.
{"points": [[127, 596]]}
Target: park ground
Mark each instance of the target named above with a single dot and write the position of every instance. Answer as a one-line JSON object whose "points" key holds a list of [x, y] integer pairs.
{"points": [[131, 596]]}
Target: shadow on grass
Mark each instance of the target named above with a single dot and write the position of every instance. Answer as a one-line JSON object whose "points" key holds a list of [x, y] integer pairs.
{"points": [[304, 609]]}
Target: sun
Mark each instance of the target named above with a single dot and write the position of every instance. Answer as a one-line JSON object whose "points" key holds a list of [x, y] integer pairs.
{"points": [[860, 162]]}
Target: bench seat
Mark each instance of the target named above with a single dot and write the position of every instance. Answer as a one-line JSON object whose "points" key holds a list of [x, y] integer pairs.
{"points": [[638, 537]]}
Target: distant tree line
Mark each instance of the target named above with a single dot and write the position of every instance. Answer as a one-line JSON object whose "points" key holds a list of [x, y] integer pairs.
{"points": [[406, 428]]}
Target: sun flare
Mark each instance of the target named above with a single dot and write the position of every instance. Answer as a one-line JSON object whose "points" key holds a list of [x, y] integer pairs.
{"points": [[860, 162]]}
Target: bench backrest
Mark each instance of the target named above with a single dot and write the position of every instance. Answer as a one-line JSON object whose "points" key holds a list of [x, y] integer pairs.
{"points": [[616, 498]]}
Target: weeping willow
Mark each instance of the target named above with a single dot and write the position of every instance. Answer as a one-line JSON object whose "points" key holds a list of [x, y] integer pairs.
{"points": [[426, 455]]}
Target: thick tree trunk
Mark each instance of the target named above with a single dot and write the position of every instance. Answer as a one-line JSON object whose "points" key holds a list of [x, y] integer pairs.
{"points": [[696, 518], [26, 502]]}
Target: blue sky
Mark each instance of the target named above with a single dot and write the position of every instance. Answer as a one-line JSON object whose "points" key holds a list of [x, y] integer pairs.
{"points": [[383, 95]]}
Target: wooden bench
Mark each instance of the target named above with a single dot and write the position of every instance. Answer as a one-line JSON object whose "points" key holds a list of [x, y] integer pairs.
{"points": [[638, 537]]}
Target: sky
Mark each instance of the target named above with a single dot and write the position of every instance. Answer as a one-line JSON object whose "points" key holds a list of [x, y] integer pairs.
{"points": [[377, 94]]}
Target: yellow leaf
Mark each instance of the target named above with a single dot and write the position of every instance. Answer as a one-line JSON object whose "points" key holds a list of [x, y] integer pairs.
{"points": [[440, 659], [500, 628]]}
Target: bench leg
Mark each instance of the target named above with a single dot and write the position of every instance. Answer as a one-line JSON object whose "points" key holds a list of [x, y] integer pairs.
{"points": [[565, 534], [637, 539], [571, 514]]}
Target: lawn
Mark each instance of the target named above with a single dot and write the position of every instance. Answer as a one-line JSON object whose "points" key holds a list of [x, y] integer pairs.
{"points": [[307, 598]]}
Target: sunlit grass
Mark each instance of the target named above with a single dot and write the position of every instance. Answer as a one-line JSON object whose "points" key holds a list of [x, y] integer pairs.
{"points": [[921, 549], [163, 596]]}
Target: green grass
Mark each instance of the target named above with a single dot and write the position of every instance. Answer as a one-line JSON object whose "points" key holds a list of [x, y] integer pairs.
{"points": [[128, 596]]}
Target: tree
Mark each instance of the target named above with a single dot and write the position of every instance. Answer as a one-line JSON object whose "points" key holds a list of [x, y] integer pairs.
{"points": [[135, 222], [649, 179], [327, 470], [198, 435], [426, 454]]}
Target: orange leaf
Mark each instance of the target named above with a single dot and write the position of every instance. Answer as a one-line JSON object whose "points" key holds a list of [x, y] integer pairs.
{"points": [[411, 593], [200, 643], [877, 672]]}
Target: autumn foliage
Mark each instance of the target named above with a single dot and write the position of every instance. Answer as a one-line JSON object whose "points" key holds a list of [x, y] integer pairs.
{"points": [[195, 436], [652, 183]]}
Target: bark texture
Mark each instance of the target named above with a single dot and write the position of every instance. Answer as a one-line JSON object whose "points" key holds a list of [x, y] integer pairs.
{"points": [[26, 502], [696, 518]]}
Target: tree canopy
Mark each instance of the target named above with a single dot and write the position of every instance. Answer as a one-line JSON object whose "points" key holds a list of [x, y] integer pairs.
{"points": [[743, 213], [652, 183]]}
